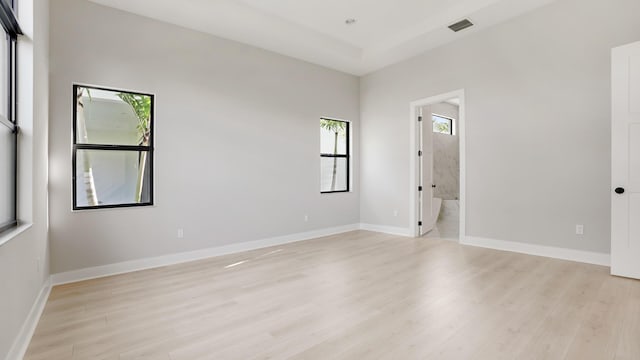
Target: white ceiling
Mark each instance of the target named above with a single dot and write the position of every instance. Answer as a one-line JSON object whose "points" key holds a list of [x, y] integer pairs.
{"points": [[386, 31]]}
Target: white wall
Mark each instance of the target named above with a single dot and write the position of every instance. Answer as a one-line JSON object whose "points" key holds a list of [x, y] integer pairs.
{"points": [[446, 155], [237, 138], [537, 117], [21, 279]]}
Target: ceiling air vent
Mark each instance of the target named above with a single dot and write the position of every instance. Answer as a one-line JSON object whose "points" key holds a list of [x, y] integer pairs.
{"points": [[461, 25]]}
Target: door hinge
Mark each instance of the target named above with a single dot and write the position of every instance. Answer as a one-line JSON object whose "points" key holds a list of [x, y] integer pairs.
{"points": [[419, 223], [419, 118], [419, 152], [419, 188], [433, 186]]}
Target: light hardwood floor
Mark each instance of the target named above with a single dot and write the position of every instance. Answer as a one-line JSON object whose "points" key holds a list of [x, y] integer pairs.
{"points": [[359, 295]]}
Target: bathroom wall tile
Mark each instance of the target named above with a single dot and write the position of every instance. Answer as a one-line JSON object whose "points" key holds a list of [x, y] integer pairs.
{"points": [[446, 165]]}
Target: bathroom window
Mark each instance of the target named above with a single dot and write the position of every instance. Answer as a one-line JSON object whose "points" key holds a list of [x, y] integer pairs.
{"points": [[334, 156], [112, 148], [442, 124]]}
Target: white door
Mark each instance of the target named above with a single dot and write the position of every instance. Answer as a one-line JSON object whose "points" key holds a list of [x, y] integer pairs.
{"points": [[425, 155], [625, 161]]}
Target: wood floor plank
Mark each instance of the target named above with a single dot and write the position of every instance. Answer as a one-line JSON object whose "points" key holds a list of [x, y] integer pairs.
{"points": [[358, 295], [600, 329], [629, 345]]}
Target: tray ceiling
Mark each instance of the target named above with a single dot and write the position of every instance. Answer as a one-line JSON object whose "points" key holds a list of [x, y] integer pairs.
{"points": [[385, 31]]}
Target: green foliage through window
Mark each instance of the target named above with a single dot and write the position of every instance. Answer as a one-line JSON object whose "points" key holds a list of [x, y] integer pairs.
{"points": [[334, 155], [112, 148], [442, 125]]}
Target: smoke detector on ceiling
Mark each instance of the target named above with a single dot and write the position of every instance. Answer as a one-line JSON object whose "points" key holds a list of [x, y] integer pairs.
{"points": [[461, 25]]}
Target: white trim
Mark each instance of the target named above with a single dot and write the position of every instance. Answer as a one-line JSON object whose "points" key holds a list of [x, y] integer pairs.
{"points": [[392, 230], [414, 107], [148, 263], [462, 137], [21, 343], [588, 257]]}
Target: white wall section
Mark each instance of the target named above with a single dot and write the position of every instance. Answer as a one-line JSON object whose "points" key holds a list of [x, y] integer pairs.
{"points": [[537, 120], [237, 138], [24, 257]]}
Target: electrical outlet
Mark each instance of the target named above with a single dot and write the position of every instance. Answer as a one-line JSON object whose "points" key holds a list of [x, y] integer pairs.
{"points": [[579, 229], [180, 233]]}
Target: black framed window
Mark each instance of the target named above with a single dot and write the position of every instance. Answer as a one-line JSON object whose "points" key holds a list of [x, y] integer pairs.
{"points": [[334, 156], [442, 124], [8, 114], [112, 161]]}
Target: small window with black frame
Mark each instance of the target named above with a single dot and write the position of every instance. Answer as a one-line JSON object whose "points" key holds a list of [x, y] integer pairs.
{"points": [[334, 156], [442, 124], [112, 148]]}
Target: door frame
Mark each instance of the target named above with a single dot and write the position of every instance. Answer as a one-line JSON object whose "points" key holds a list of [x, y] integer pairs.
{"points": [[414, 107]]}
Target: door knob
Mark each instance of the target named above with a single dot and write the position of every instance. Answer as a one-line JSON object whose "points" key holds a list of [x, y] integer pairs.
{"points": [[619, 190], [433, 185]]}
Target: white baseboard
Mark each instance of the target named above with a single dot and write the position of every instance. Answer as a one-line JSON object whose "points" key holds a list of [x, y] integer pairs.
{"points": [[21, 343], [148, 263], [540, 250], [392, 230]]}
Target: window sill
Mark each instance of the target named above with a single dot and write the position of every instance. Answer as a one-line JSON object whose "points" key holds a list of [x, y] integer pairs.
{"points": [[111, 208], [9, 235]]}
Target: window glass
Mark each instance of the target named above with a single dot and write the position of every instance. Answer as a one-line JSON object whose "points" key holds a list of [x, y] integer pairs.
{"points": [[4, 76], [112, 117], [115, 177], [442, 125], [8, 128], [7, 169], [334, 174], [113, 148], [334, 155]]}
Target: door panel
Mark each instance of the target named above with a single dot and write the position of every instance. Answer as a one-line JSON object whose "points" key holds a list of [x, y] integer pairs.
{"points": [[634, 226], [625, 161], [634, 158]]}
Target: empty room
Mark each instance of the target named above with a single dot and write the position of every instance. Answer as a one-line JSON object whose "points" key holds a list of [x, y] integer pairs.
{"points": [[273, 179]]}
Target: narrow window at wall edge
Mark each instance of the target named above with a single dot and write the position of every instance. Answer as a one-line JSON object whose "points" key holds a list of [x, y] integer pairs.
{"points": [[9, 129], [113, 145], [334, 155]]}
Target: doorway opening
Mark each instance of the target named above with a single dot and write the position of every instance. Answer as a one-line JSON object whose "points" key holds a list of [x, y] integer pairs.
{"points": [[437, 170]]}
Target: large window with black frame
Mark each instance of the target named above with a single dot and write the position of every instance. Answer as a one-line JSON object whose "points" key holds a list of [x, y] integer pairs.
{"points": [[8, 115], [112, 164], [334, 156]]}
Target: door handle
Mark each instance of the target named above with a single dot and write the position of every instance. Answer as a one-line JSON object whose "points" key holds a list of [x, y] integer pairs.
{"points": [[619, 190], [433, 185]]}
